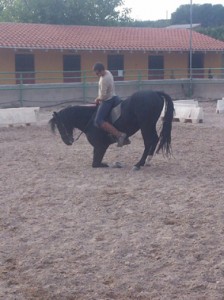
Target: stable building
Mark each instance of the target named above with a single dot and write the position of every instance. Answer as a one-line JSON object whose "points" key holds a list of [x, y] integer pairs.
{"points": [[42, 53]]}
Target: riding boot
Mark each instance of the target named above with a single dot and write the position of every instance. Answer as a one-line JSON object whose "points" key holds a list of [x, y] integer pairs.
{"points": [[122, 138]]}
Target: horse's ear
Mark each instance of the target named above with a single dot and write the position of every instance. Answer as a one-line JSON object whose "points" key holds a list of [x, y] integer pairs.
{"points": [[55, 116]]}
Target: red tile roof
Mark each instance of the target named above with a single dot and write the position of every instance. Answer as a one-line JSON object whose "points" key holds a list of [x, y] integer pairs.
{"points": [[43, 36]]}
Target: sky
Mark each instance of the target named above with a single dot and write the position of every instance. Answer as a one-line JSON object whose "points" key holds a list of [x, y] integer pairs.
{"points": [[159, 9]]}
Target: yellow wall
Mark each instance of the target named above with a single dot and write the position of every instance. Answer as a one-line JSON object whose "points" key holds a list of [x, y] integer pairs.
{"points": [[7, 66], [49, 64], [134, 62], [213, 60], [176, 64], [88, 59]]}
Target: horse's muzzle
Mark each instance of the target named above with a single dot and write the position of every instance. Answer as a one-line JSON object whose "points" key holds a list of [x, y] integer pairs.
{"points": [[68, 140], [66, 137]]}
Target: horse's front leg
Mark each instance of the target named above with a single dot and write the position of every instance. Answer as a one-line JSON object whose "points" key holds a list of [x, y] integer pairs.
{"points": [[98, 154]]}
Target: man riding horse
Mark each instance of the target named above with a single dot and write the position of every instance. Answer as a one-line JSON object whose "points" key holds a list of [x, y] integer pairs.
{"points": [[106, 100], [140, 111]]}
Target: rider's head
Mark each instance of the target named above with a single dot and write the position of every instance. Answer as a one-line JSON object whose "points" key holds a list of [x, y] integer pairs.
{"points": [[99, 69]]}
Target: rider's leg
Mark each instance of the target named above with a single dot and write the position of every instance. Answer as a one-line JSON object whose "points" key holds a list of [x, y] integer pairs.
{"points": [[121, 137], [102, 113], [110, 129]]}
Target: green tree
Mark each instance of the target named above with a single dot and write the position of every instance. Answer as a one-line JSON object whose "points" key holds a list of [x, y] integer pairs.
{"points": [[150, 24], [181, 15], [211, 18], [77, 12], [207, 15], [215, 32]]}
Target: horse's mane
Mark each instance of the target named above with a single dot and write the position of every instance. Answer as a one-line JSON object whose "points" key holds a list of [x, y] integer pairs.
{"points": [[70, 113], [77, 109]]}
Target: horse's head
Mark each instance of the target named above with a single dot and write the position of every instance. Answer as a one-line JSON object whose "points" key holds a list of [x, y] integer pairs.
{"points": [[65, 132]]}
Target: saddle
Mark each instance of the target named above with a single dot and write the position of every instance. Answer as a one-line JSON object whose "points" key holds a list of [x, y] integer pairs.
{"points": [[115, 113]]}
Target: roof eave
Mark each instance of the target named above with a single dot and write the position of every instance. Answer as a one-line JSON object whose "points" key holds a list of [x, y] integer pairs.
{"points": [[134, 49]]}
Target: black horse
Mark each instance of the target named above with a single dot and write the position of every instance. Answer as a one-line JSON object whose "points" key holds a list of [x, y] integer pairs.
{"points": [[139, 111]]}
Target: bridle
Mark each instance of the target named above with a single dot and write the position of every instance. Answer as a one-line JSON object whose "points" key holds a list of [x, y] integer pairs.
{"points": [[62, 129], [84, 128], [61, 124]]}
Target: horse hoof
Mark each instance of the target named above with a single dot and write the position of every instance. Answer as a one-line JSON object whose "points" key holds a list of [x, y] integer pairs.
{"points": [[148, 161], [102, 165], [117, 165], [136, 168]]}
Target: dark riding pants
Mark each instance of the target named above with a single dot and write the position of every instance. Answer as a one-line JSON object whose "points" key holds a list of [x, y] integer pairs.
{"points": [[104, 110]]}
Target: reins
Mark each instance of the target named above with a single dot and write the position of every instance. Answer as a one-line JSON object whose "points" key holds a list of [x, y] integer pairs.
{"points": [[83, 131], [58, 119], [78, 136]]}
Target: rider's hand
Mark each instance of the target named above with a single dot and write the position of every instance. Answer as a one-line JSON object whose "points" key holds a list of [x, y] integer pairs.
{"points": [[97, 101]]}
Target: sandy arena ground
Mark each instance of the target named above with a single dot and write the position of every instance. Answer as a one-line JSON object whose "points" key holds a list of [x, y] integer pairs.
{"points": [[71, 232]]}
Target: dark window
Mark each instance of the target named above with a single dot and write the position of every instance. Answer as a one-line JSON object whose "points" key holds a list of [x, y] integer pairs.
{"points": [[25, 72], [197, 65], [72, 68], [115, 64], [156, 67]]}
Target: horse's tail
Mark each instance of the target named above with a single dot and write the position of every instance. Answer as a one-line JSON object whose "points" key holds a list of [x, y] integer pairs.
{"points": [[164, 143]]}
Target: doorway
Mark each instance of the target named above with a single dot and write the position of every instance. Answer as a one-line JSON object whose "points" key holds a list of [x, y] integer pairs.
{"points": [[71, 68], [24, 66], [197, 65], [156, 67], [115, 64]]}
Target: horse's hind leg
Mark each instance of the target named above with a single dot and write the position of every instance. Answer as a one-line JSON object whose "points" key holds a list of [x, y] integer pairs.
{"points": [[150, 139], [152, 148], [98, 154]]}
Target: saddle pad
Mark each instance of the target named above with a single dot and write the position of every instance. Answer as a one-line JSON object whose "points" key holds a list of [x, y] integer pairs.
{"points": [[115, 113]]}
